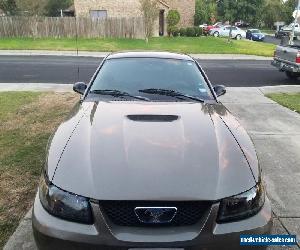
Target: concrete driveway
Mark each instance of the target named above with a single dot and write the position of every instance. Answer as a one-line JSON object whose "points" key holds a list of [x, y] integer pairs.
{"points": [[275, 131]]}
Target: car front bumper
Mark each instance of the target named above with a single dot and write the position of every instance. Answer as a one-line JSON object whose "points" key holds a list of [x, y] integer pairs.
{"points": [[54, 233], [258, 38], [285, 66]]}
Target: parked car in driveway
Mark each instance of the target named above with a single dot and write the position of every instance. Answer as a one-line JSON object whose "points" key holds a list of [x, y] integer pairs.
{"points": [[255, 35], [287, 30], [150, 158], [287, 59], [224, 31], [208, 28], [215, 31]]}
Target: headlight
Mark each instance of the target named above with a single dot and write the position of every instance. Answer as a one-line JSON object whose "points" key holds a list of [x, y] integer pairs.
{"points": [[63, 204], [242, 206]]}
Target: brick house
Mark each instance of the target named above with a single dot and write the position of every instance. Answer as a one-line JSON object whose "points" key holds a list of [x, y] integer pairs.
{"points": [[131, 8]]}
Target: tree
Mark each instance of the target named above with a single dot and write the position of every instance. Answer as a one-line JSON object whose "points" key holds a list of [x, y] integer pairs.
{"points": [[150, 12], [31, 7], [173, 19], [206, 12], [245, 10], [8, 6], [53, 7], [277, 10], [272, 12], [249, 11], [288, 9], [227, 10]]}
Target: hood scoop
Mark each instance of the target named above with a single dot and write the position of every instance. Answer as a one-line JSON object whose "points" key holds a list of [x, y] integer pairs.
{"points": [[153, 118]]}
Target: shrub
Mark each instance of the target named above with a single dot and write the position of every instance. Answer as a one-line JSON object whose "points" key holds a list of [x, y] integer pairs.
{"points": [[193, 31], [173, 30], [198, 31], [182, 32], [190, 32], [173, 18]]}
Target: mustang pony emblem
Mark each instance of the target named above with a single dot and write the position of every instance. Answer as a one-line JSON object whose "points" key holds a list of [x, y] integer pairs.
{"points": [[155, 215]]}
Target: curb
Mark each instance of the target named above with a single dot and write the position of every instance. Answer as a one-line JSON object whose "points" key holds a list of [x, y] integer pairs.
{"points": [[280, 89], [104, 54], [56, 87], [21, 239], [36, 87]]}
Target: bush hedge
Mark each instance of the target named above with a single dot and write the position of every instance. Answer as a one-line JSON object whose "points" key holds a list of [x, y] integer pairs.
{"points": [[188, 32]]}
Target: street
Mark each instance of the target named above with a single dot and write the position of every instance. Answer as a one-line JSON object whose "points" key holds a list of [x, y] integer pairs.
{"points": [[276, 41], [60, 69]]}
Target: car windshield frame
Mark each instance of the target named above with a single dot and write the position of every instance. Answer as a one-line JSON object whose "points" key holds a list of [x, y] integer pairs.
{"points": [[211, 96]]}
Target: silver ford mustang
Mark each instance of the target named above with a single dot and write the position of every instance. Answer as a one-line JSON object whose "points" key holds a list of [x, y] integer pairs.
{"points": [[150, 158]]}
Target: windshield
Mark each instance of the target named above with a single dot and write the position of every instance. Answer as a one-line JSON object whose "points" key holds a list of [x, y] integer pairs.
{"points": [[255, 31], [133, 75]]}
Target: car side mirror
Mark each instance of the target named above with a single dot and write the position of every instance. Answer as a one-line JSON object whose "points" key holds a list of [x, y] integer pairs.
{"points": [[79, 87], [220, 90]]}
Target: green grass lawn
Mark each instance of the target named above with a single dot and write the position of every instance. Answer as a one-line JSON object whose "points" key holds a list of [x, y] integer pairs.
{"points": [[190, 45], [289, 100], [26, 121]]}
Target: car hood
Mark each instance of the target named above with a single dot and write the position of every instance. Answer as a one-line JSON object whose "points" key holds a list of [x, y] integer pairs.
{"points": [[151, 151]]}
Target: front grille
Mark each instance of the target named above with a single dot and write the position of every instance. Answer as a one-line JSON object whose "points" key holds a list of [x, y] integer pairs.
{"points": [[122, 212]]}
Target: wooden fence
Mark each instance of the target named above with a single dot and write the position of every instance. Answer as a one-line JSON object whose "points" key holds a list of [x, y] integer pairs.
{"points": [[57, 27]]}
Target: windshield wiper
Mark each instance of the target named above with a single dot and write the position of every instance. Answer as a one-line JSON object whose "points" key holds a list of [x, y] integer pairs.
{"points": [[117, 93], [172, 93]]}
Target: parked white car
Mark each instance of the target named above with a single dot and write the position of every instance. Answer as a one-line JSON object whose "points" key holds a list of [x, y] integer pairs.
{"points": [[215, 31], [224, 31]]}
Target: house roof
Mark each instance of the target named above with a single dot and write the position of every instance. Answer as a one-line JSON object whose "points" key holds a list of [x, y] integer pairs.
{"points": [[164, 3]]}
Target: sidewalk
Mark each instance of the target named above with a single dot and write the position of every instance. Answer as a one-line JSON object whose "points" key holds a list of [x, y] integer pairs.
{"points": [[103, 54], [275, 131]]}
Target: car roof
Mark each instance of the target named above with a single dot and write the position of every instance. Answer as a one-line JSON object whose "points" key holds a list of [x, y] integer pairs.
{"points": [[149, 54]]}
